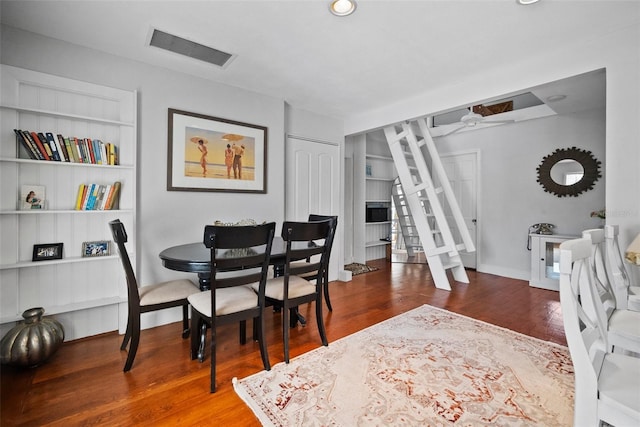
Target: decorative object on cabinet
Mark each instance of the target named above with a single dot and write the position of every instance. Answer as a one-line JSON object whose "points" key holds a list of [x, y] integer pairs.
{"points": [[33, 340], [98, 248], [212, 154], [632, 254], [47, 251], [53, 106], [32, 197], [545, 260], [559, 173]]}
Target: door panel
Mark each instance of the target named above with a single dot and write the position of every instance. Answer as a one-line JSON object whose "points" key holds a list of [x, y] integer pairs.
{"points": [[312, 184], [462, 172]]}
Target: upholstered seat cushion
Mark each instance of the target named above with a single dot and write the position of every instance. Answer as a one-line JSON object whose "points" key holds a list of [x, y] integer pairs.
{"points": [[297, 287], [228, 300], [167, 291], [618, 384], [626, 324]]}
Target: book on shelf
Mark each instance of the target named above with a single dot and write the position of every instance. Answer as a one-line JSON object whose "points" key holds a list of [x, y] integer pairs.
{"points": [[34, 138], [56, 147], [113, 201], [89, 145], [49, 146], [26, 145], [70, 151], [82, 190], [98, 196], [63, 147]]}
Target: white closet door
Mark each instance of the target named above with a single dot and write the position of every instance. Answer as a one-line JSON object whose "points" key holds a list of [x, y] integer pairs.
{"points": [[312, 183]]}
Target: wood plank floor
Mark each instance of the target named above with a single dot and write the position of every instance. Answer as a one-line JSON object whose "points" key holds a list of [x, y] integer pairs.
{"points": [[83, 383]]}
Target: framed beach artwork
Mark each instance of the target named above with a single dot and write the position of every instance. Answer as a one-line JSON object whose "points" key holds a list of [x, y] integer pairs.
{"points": [[213, 154]]}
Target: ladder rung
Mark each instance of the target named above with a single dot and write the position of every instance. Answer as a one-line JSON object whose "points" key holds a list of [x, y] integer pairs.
{"points": [[451, 265], [461, 247], [438, 250]]}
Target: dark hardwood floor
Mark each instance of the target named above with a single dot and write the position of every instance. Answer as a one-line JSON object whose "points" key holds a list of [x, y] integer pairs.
{"points": [[83, 383]]}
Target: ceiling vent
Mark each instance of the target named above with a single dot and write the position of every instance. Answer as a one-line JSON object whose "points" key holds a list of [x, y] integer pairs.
{"points": [[188, 48]]}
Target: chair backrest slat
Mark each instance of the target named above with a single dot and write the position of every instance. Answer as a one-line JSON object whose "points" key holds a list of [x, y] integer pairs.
{"points": [[304, 241], [239, 254]]}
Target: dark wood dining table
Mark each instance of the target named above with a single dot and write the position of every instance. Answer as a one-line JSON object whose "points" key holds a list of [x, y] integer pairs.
{"points": [[196, 258]]}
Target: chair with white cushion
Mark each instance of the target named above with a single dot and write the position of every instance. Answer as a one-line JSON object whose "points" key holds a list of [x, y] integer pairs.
{"points": [[304, 240], [313, 275], [622, 326], [607, 385], [627, 295], [148, 298], [239, 258]]}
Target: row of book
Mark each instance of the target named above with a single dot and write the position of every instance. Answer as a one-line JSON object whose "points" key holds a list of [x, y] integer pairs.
{"points": [[47, 146], [98, 197]]}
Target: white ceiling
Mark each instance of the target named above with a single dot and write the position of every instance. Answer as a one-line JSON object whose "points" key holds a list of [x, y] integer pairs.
{"points": [[297, 51]]}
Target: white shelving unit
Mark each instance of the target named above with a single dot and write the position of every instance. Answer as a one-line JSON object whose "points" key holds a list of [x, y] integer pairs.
{"points": [[87, 294], [379, 178]]}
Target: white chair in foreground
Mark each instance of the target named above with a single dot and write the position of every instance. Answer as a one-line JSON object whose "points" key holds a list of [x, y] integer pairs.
{"points": [[622, 326], [627, 296], [607, 385]]}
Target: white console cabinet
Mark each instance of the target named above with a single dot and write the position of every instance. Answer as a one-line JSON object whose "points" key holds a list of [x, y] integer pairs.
{"points": [[545, 260]]}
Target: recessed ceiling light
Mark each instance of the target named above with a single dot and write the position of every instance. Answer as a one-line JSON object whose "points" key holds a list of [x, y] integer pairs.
{"points": [[554, 98], [342, 7], [526, 2]]}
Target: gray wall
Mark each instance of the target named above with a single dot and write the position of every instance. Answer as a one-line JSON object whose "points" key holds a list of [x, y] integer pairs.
{"points": [[510, 198], [169, 218]]}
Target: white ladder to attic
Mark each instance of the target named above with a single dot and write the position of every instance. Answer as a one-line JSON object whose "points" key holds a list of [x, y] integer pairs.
{"points": [[405, 220], [425, 202]]}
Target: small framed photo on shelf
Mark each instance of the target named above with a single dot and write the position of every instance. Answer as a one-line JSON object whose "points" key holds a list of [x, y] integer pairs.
{"points": [[32, 197], [97, 248], [47, 251]]}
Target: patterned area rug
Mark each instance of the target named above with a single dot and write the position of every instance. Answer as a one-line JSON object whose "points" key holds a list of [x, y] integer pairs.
{"points": [[426, 367], [357, 268]]}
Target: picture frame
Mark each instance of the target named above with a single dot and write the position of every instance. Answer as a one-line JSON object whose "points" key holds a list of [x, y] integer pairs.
{"points": [[208, 153], [32, 197], [47, 252], [96, 248]]}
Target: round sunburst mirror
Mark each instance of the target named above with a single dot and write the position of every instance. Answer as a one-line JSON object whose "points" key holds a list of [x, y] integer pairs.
{"points": [[569, 172]]}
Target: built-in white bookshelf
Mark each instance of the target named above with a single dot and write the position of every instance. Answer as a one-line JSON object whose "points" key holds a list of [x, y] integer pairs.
{"points": [[86, 294], [379, 176]]}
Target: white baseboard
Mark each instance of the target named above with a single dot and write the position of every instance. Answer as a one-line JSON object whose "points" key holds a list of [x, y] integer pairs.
{"points": [[344, 276], [504, 272]]}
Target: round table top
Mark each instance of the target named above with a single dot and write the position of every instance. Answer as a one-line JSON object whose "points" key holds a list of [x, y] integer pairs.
{"points": [[195, 257]]}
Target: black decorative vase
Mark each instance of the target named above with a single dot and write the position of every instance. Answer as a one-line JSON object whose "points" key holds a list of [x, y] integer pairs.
{"points": [[32, 341]]}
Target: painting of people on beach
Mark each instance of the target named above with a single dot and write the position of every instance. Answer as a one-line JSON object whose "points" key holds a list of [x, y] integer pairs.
{"points": [[213, 154], [219, 155]]}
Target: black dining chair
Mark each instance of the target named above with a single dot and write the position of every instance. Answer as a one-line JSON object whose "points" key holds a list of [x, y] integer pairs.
{"points": [[314, 274], [148, 298], [304, 240], [239, 259]]}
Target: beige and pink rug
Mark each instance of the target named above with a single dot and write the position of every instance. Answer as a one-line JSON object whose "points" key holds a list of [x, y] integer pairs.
{"points": [[426, 367]]}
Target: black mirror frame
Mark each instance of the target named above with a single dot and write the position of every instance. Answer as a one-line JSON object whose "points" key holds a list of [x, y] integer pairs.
{"points": [[590, 165]]}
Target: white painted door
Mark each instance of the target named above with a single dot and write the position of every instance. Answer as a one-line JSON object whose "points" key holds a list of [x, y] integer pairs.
{"points": [[312, 181], [462, 171]]}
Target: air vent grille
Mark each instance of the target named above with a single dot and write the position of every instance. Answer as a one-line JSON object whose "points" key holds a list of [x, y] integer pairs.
{"points": [[188, 48]]}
